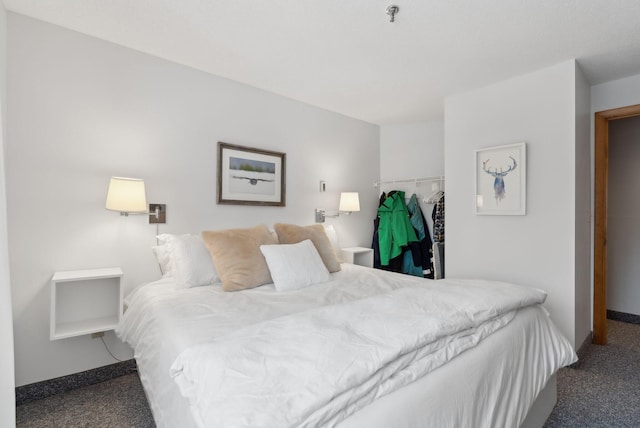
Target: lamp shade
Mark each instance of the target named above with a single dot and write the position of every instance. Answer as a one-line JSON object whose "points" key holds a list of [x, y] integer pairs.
{"points": [[126, 195], [349, 201]]}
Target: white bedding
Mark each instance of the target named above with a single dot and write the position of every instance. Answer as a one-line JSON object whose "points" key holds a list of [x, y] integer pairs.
{"points": [[162, 321]]}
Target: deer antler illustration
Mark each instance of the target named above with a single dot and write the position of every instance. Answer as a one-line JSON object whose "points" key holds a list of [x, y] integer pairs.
{"points": [[498, 182]]}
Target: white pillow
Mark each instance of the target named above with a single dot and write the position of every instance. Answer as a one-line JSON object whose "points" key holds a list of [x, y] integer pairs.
{"points": [[333, 238], [162, 256], [190, 260], [294, 266]]}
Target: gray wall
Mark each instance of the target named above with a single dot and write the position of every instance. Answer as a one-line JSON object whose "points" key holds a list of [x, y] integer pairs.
{"points": [[583, 225], [623, 216], [83, 110], [614, 94]]}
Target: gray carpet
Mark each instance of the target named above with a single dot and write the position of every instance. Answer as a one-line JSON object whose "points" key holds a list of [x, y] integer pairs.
{"points": [[602, 390], [119, 402]]}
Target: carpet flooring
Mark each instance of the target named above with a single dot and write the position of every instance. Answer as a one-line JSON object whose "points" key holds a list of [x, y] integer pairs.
{"points": [[601, 390], [116, 403]]}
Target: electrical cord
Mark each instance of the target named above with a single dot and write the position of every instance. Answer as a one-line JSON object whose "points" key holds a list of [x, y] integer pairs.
{"points": [[102, 337], [107, 348]]}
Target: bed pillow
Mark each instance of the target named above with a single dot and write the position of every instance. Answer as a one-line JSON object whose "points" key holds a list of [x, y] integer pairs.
{"points": [[190, 260], [164, 261], [292, 234], [294, 266], [333, 238], [237, 257]]}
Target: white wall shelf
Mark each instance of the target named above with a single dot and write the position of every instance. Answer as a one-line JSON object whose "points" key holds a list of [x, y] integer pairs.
{"points": [[358, 256], [85, 302]]}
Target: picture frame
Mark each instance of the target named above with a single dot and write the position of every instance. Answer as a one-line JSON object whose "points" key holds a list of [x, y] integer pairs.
{"points": [[250, 176], [501, 180]]}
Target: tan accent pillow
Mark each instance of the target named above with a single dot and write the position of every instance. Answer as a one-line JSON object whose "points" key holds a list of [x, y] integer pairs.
{"points": [[237, 257], [292, 234]]}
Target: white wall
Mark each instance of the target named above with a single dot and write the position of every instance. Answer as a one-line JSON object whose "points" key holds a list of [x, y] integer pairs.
{"points": [[614, 94], [82, 110], [538, 249], [7, 381], [409, 151], [583, 217], [412, 150], [623, 212]]}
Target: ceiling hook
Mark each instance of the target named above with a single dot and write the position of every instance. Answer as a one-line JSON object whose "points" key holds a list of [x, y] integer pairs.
{"points": [[391, 11]]}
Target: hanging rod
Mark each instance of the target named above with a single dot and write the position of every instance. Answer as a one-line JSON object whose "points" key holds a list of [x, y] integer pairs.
{"points": [[410, 180]]}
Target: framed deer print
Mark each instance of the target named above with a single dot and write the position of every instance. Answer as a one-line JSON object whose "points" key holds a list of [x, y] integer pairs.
{"points": [[501, 180]]}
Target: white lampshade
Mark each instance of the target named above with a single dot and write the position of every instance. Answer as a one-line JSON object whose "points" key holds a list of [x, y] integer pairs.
{"points": [[349, 201], [126, 195]]}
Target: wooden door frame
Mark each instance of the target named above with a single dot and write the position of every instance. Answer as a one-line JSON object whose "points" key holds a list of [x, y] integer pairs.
{"points": [[601, 183]]}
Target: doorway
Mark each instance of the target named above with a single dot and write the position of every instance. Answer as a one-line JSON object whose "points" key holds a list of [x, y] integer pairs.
{"points": [[601, 138]]}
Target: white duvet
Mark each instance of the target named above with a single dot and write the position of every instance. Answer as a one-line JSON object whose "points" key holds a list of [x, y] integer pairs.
{"points": [[317, 367], [166, 325]]}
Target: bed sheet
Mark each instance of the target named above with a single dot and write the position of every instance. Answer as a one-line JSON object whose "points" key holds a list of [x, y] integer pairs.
{"points": [[496, 382]]}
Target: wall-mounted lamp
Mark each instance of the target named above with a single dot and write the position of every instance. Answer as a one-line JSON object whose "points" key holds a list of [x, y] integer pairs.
{"points": [[349, 202], [128, 196]]}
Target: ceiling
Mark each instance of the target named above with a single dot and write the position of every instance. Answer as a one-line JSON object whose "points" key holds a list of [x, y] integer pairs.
{"points": [[345, 56]]}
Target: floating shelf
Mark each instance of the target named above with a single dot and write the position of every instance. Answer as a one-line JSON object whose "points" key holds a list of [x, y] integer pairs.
{"points": [[358, 256], [85, 302]]}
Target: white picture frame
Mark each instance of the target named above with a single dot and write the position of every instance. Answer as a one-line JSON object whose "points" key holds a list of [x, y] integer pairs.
{"points": [[501, 180]]}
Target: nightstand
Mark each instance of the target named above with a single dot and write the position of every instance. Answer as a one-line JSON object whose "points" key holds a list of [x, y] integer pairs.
{"points": [[358, 256], [85, 301]]}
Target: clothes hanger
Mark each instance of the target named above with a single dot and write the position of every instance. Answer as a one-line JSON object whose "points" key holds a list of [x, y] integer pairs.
{"points": [[434, 198]]}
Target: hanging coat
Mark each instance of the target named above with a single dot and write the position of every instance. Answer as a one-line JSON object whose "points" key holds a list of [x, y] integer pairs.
{"points": [[394, 229], [438, 220], [438, 238], [420, 262]]}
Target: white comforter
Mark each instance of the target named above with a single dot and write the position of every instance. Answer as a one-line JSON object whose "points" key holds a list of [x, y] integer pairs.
{"points": [[493, 384], [316, 367]]}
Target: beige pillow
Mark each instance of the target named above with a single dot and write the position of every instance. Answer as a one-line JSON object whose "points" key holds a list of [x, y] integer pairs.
{"points": [[292, 234], [237, 257]]}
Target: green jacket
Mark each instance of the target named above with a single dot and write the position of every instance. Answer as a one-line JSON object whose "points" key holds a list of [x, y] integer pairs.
{"points": [[394, 229]]}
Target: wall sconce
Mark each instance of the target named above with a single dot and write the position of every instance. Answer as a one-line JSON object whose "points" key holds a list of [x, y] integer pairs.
{"points": [[349, 202], [128, 196]]}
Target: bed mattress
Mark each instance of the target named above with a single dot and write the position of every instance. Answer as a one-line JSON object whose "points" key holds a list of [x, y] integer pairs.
{"points": [[493, 384]]}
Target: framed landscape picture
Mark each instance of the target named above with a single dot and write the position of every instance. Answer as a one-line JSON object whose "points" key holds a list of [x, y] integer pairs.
{"points": [[501, 180], [250, 176]]}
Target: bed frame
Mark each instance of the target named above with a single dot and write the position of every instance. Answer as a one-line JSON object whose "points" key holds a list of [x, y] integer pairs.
{"points": [[543, 406]]}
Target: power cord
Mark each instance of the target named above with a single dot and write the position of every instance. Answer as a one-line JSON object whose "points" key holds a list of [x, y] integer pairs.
{"points": [[110, 353]]}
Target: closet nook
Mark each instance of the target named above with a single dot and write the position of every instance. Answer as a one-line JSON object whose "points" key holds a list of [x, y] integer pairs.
{"points": [[404, 239]]}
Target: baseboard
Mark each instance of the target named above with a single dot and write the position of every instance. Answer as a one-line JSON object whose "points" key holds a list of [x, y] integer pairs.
{"points": [[624, 317], [47, 388]]}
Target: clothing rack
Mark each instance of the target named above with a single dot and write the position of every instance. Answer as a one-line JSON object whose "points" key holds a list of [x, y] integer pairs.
{"points": [[436, 187], [430, 251], [416, 181]]}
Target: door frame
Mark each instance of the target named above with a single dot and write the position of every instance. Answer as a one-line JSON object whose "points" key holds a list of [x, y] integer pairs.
{"points": [[601, 185]]}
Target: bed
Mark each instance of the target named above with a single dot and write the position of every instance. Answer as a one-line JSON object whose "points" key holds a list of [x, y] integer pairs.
{"points": [[363, 348]]}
